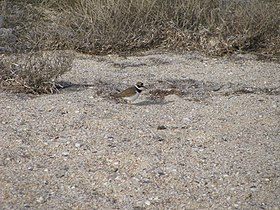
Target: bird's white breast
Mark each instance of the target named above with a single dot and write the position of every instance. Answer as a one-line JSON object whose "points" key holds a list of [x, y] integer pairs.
{"points": [[132, 98]]}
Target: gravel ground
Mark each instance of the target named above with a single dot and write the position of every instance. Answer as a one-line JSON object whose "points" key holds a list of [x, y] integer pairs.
{"points": [[204, 135]]}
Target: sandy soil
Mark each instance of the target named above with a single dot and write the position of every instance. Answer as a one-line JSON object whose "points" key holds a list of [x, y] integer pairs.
{"points": [[204, 135]]}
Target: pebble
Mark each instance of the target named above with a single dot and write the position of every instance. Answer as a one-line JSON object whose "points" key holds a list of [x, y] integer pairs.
{"points": [[77, 145], [148, 203], [40, 200], [253, 188], [65, 153]]}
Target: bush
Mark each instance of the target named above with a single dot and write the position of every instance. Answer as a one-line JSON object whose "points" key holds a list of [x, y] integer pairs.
{"points": [[98, 26], [34, 73]]}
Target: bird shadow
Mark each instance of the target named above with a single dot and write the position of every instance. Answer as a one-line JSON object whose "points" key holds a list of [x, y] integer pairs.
{"points": [[152, 102]]}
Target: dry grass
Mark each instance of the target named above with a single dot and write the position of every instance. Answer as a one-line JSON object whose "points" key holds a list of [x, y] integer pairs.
{"points": [[215, 27], [34, 73]]}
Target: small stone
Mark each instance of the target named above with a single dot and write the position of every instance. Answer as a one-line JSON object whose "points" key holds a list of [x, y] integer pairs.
{"points": [[40, 200], [160, 139], [65, 153], [161, 127], [148, 203], [161, 173], [77, 145], [26, 205], [60, 174], [253, 188]]}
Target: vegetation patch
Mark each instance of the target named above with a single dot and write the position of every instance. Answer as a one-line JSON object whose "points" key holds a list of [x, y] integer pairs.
{"points": [[34, 73], [216, 27]]}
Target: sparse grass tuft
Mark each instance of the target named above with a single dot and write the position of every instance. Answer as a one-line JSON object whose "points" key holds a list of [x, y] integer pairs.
{"points": [[34, 73]]}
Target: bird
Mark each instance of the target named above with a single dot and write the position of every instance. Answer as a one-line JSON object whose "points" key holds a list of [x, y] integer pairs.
{"points": [[132, 93]]}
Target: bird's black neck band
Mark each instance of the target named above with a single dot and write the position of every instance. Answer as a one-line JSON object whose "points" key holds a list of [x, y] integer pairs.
{"points": [[137, 89]]}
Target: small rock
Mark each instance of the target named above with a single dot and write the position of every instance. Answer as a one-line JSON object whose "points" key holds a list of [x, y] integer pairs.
{"points": [[40, 200], [26, 205], [60, 174], [65, 153], [148, 203], [161, 127], [253, 188], [160, 139], [77, 145]]}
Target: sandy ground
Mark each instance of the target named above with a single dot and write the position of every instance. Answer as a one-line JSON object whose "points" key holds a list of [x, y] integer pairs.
{"points": [[204, 135]]}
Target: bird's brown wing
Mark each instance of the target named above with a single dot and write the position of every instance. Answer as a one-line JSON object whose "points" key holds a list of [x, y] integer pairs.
{"points": [[126, 93]]}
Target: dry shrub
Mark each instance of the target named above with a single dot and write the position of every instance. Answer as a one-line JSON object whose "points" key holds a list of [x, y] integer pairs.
{"points": [[98, 26], [220, 27], [34, 73]]}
